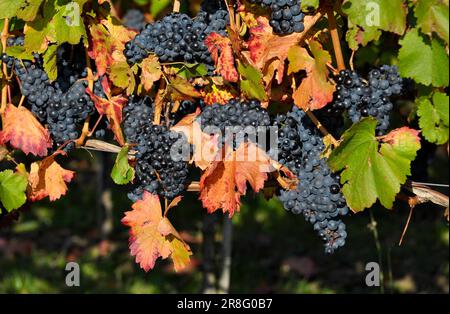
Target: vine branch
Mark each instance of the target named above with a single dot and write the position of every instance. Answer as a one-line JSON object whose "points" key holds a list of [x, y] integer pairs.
{"points": [[335, 38], [321, 128], [4, 39]]}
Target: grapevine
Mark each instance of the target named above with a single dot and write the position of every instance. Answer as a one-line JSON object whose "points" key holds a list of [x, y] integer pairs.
{"points": [[231, 96]]}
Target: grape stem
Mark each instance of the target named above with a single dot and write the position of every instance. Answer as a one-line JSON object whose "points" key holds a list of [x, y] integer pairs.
{"points": [[335, 38], [84, 133], [176, 6], [95, 126], [22, 99], [321, 128], [4, 39]]}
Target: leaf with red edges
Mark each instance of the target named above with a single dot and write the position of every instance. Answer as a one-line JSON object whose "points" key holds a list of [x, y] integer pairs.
{"points": [[266, 48], [107, 44], [316, 90], [152, 235], [23, 131], [222, 53], [225, 181], [111, 107]]}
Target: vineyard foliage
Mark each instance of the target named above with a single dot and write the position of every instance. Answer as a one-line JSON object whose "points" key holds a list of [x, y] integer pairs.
{"points": [[87, 74]]}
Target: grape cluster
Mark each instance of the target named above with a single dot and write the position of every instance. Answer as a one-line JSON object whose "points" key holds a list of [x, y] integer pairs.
{"points": [[134, 19], [177, 37], [71, 63], [64, 105], [362, 98], [218, 119], [162, 155], [286, 16], [186, 107], [318, 194]]}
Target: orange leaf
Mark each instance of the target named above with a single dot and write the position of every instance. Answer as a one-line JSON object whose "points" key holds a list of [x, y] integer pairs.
{"points": [[225, 181], [222, 54], [315, 91], [48, 178], [23, 131], [205, 145], [111, 107], [152, 235], [214, 94], [265, 47], [151, 71]]}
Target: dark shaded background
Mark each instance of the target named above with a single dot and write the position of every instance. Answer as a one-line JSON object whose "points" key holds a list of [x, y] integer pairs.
{"points": [[272, 250]]}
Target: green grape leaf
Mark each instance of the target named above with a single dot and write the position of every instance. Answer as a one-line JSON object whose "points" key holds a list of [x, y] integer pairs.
{"points": [[307, 4], [157, 7], [122, 172], [50, 62], [373, 168], [122, 75], [69, 25], [188, 71], [422, 60], [13, 186], [368, 18], [432, 16], [252, 82], [433, 117], [8, 8], [30, 10], [357, 36], [36, 34], [19, 53]]}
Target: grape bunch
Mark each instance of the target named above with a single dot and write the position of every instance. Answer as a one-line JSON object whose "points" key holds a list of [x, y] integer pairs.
{"points": [[64, 105], [318, 194], [219, 119], [134, 19], [162, 155], [177, 37], [71, 64], [362, 98], [286, 15], [35, 87]]}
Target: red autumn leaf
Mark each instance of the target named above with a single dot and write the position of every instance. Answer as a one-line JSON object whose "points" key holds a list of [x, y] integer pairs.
{"points": [[316, 90], [225, 181], [152, 235], [23, 131], [205, 145], [107, 44], [111, 107], [222, 54], [48, 178], [267, 48], [396, 136], [100, 50]]}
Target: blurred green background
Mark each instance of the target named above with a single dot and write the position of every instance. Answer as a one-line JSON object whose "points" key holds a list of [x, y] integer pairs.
{"points": [[272, 250]]}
